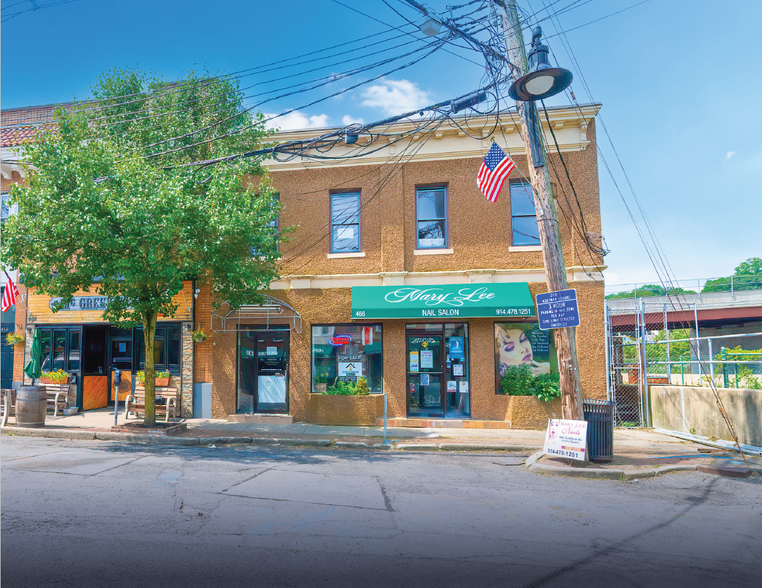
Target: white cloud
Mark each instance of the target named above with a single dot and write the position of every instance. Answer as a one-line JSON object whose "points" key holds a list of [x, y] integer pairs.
{"points": [[350, 120], [395, 96], [730, 154], [297, 120]]}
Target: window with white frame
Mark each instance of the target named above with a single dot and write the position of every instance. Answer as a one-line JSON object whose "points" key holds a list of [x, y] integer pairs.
{"points": [[345, 222], [524, 229], [431, 216]]}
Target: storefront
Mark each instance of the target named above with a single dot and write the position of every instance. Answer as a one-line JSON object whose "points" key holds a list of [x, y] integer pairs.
{"points": [[438, 352], [76, 340]]}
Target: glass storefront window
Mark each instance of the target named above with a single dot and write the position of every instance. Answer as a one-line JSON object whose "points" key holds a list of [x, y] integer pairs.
{"points": [[166, 346], [522, 352], [345, 353]]}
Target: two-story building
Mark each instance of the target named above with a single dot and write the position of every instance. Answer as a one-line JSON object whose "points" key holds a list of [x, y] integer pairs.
{"points": [[399, 272]]}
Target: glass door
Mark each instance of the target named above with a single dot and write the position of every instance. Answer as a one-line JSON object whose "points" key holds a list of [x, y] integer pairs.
{"points": [[425, 374], [262, 372]]}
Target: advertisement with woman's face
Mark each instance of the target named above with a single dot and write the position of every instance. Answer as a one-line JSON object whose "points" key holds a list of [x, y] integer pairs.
{"points": [[523, 344]]}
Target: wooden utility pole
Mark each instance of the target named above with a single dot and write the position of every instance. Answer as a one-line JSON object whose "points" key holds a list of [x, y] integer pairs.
{"points": [[547, 220]]}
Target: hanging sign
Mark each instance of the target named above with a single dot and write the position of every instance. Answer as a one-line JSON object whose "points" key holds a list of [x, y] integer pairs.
{"points": [[556, 310], [565, 438]]}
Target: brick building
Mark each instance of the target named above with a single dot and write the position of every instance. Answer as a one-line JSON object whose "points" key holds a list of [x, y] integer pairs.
{"points": [[398, 272]]}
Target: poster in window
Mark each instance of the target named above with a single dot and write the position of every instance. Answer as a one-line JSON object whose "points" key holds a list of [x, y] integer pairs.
{"points": [[350, 369], [414, 361], [427, 359], [425, 380], [519, 344], [457, 370], [457, 348], [452, 386]]}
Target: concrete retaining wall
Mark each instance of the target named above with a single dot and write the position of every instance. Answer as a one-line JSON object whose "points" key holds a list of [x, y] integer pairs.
{"points": [[694, 410]]}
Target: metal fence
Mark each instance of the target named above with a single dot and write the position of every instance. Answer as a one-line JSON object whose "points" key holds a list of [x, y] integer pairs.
{"points": [[650, 351]]}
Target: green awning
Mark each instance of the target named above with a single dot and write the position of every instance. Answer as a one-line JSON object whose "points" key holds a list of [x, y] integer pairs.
{"points": [[449, 301]]}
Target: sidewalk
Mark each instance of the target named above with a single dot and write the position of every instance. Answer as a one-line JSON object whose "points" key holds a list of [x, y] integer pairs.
{"points": [[638, 453]]}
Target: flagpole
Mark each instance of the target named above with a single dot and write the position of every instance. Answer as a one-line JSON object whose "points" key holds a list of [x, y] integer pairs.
{"points": [[547, 219]]}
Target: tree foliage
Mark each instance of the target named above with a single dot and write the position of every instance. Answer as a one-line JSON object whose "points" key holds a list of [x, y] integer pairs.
{"points": [[649, 290], [746, 276], [110, 199]]}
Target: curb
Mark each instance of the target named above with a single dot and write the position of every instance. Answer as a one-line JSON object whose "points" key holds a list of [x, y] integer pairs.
{"points": [[85, 435], [608, 474]]}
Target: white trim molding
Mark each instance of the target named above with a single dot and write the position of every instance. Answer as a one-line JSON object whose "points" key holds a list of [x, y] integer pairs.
{"points": [[346, 255], [433, 251]]}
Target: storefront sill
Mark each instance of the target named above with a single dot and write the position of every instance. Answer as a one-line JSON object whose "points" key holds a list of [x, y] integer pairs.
{"points": [[525, 248]]}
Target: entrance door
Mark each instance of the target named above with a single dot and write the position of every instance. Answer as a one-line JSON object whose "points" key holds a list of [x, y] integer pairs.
{"points": [[263, 372], [425, 381]]}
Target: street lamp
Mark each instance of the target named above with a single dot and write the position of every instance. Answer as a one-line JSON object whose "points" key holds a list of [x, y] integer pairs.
{"points": [[542, 80]]}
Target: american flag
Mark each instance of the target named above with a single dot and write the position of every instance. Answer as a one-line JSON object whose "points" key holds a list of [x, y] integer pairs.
{"points": [[9, 294], [496, 167]]}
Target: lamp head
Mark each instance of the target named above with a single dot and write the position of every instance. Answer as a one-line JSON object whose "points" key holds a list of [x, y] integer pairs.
{"points": [[542, 80]]}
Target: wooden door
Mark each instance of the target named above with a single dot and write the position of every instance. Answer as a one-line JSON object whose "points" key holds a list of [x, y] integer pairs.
{"points": [[94, 392]]}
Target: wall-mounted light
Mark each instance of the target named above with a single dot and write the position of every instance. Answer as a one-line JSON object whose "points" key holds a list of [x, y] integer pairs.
{"points": [[196, 292], [187, 327], [30, 329]]}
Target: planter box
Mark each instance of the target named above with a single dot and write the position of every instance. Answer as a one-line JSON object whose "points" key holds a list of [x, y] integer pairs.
{"points": [[528, 412], [44, 380], [158, 382], [324, 409]]}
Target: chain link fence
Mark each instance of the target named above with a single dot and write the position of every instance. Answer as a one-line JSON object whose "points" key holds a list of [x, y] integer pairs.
{"points": [[646, 347]]}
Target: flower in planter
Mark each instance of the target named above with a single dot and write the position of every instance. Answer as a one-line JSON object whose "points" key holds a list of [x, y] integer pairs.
{"points": [[14, 339], [198, 335], [141, 376], [57, 377]]}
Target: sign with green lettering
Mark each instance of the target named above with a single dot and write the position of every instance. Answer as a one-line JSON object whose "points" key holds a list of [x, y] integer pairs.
{"points": [[445, 301]]}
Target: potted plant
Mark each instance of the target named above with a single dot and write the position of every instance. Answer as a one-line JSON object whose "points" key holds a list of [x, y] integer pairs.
{"points": [[198, 335], [322, 379], [57, 377], [160, 378], [14, 339]]}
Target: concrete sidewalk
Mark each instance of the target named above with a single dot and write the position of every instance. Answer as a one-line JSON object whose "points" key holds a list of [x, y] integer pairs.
{"points": [[638, 452]]}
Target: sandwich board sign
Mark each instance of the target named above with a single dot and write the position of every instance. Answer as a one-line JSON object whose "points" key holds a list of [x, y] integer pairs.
{"points": [[566, 438], [556, 310]]}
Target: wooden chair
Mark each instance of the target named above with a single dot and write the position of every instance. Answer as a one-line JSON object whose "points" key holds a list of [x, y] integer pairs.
{"points": [[58, 396], [7, 405], [136, 402]]}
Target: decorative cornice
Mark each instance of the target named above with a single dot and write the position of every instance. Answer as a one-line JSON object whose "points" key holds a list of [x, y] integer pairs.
{"points": [[466, 139]]}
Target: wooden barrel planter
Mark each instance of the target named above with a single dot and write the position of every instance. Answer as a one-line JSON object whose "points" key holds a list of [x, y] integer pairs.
{"points": [[31, 406]]}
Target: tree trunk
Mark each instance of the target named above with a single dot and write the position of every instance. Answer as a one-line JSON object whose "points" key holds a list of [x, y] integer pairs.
{"points": [[149, 333]]}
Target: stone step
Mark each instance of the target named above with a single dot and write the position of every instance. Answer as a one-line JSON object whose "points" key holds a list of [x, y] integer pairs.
{"points": [[261, 419], [444, 423]]}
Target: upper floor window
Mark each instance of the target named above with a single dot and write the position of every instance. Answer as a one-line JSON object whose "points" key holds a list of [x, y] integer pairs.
{"points": [[5, 208], [524, 229], [431, 214], [273, 228], [345, 222]]}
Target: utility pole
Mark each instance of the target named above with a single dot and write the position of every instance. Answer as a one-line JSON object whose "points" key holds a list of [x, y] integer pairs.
{"points": [[547, 220]]}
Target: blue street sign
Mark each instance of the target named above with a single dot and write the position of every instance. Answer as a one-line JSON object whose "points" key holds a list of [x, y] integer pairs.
{"points": [[557, 310]]}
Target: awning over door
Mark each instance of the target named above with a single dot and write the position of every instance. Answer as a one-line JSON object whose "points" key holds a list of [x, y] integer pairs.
{"points": [[443, 301]]}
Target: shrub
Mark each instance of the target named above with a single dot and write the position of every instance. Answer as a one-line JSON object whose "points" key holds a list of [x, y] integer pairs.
{"points": [[342, 389], [517, 380], [362, 387], [141, 376]]}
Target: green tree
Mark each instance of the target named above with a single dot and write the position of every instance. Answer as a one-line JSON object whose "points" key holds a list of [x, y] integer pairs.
{"points": [[648, 290], [111, 195], [746, 276]]}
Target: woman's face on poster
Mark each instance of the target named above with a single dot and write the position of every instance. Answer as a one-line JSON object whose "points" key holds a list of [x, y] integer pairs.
{"points": [[514, 347]]}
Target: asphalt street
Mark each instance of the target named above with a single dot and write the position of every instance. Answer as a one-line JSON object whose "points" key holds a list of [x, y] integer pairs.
{"points": [[90, 513]]}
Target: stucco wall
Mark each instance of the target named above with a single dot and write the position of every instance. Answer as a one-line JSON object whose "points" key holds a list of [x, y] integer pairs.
{"points": [[326, 306], [694, 410]]}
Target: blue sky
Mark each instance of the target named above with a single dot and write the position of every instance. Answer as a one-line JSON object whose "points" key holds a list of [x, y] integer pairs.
{"points": [[679, 83]]}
